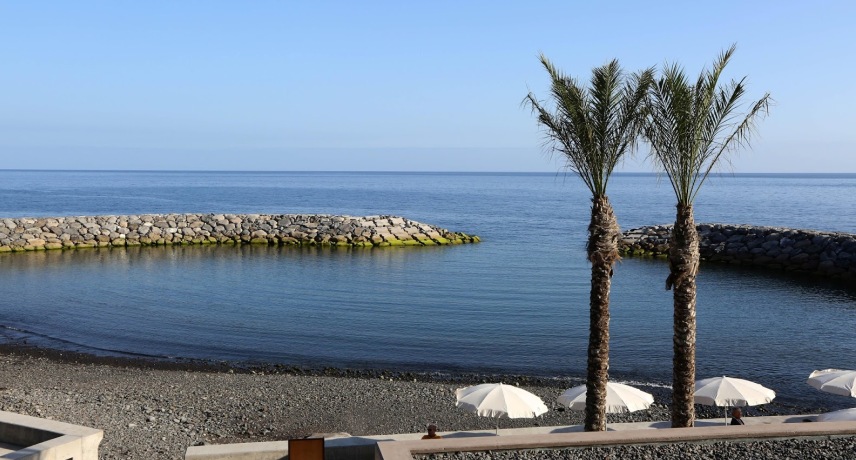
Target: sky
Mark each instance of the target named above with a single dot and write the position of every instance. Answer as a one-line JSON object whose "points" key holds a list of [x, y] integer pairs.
{"points": [[391, 85]]}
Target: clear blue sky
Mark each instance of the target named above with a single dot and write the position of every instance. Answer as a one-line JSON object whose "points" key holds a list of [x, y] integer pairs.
{"points": [[389, 85]]}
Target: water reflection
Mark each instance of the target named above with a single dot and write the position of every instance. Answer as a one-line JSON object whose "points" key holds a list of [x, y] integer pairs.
{"points": [[396, 307], [147, 255], [770, 327]]}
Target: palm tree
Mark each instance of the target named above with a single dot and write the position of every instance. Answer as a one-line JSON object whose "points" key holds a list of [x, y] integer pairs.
{"points": [[691, 128], [593, 128]]}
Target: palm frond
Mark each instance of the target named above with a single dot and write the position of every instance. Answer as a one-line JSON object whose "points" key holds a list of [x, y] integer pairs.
{"points": [[592, 127], [691, 128]]}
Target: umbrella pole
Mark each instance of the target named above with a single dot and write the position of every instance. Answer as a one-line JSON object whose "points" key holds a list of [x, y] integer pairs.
{"points": [[725, 416]]}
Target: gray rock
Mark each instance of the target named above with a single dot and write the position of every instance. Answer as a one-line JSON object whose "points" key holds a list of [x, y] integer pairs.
{"points": [[829, 254]]}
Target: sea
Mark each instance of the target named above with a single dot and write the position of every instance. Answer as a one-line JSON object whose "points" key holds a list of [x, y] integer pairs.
{"points": [[516, 303]]}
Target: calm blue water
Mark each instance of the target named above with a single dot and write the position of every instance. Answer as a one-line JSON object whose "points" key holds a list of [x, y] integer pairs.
{"points": [[515, 303]]}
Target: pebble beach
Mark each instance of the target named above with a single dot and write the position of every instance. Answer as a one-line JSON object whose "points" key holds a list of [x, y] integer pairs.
{"points": [[842, 448], [154, 410]]}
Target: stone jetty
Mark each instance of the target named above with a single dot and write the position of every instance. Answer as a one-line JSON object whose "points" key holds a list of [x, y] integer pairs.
{"points": [[41, 233], [829, 254]]}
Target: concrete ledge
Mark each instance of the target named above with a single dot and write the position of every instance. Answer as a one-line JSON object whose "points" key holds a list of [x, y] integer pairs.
{"points": [[273, 450], [31, 438], [404, 450], [347, 447], [343, 446]]}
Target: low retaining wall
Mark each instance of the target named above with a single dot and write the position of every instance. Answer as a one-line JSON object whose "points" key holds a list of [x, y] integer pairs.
{"points": [[539, 446], [32, 438], [407, 446], [830, 254], [33, 234]]}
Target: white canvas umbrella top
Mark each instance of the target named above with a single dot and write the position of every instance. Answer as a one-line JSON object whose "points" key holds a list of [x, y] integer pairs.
{"points": [[620, 398], [835, 381], [843, 415], [498, 400], [729, 391]]}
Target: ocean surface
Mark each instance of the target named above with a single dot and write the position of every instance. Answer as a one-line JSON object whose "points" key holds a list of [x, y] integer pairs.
{"points": [[515, 303]]}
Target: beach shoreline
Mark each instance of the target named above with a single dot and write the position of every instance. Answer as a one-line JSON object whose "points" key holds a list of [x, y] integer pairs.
{"points": [[263, 368], [156, 409]]}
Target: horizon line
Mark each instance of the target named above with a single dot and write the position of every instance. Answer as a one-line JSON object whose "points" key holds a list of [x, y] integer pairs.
{"points": [[560, 172]]}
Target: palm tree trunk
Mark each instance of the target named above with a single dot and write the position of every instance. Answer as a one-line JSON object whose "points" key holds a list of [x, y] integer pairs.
{"points": [[603, 253], [683, 265]]}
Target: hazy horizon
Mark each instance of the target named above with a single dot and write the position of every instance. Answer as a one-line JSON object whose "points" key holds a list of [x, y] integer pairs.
{"points": [[390, 86], [554, 173]]}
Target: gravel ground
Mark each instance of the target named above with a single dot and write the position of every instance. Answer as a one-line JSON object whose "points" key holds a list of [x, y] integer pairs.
{"points": [[843, 448], [151, 410]]}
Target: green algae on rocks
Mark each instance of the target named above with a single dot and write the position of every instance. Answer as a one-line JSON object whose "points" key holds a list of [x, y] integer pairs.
{"points": [[47, 233]]}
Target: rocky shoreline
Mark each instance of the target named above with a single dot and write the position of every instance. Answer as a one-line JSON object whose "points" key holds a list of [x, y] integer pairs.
{"points": [[828, 254], [43, 233], [156, 409]]}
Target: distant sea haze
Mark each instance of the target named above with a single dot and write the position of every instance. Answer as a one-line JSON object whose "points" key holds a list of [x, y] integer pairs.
{"points": [[515, 303]]}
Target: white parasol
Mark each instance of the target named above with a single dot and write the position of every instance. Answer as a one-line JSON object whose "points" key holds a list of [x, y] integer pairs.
{"points": [[620, 398], [728, 391], [497, 400]]}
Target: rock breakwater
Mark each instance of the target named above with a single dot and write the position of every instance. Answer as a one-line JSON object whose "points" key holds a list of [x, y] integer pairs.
{"points": [[34, 234], [830, 254]]}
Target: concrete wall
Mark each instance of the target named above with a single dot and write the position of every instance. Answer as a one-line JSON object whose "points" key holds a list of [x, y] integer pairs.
{"points": [[405, 445], [348, 448], [33, 234], [830, 254], [33, 438], [530, 445]]}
